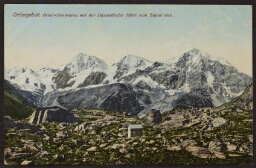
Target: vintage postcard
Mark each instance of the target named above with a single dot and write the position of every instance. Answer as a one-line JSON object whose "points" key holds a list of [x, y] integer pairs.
{"points": [[120, 84]]}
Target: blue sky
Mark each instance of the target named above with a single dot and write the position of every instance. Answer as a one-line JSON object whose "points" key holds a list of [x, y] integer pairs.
{"points": [[220, 30]]}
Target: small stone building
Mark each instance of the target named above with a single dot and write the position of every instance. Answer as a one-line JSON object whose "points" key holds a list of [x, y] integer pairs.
{"points": [[135, 130]]}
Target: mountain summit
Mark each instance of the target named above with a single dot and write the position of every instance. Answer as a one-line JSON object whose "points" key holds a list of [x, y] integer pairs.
{"points": [[82, 62], [129, 64], [134, 61]]}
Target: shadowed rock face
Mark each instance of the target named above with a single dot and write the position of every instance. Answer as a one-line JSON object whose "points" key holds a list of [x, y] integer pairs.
{"points": [[115, 97], [62, 78], [52, 114], [10, 123], [195, 100], [93, 79]]}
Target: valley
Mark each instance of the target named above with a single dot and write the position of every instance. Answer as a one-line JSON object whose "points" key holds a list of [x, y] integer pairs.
{"points": [[195, 109]]}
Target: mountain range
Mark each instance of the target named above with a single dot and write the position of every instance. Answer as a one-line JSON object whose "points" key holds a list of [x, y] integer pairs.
{"points": [[133, 84]]}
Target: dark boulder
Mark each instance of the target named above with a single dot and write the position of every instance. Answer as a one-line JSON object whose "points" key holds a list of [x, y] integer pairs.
{"points": [[52, 114], [153, 117], [10, 123]]}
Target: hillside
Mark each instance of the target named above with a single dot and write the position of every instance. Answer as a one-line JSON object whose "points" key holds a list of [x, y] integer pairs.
{"points": [[244, 102], [15, 105]]}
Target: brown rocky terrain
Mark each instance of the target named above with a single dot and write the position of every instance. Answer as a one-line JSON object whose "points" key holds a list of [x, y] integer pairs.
{"points": [[100, 137]]}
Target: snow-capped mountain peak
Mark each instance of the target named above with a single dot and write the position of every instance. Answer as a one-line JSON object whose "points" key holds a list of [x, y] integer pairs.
{"points": [[193, 56], [25, 78], [134, 61], [197, 55], [15, 72], [82, 62], [130, 64], [194, 51]]}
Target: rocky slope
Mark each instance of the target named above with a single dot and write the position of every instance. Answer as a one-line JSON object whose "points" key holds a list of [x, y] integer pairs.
{"points": [[244, 102], [117, 97], [16, 105], [184, 136]]}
